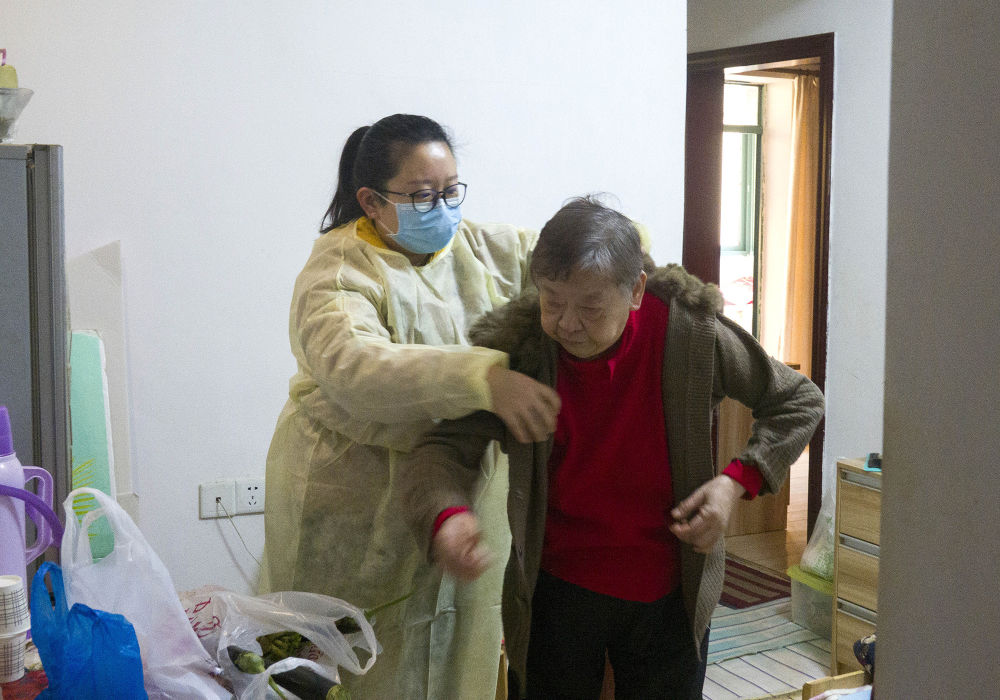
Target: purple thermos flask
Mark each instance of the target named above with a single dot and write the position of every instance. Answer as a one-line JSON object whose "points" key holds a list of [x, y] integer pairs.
{"points": [[14, 552]]}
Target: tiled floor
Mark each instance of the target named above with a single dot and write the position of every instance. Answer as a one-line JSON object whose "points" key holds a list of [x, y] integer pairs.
{"points": [[769, 653], [775, 671]]}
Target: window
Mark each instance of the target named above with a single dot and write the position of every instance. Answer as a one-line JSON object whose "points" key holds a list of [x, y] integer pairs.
{"points": [[740, 215], [740, 167]]}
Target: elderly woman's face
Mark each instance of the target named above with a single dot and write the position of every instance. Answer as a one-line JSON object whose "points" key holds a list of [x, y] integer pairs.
{"points": [[587, 312]]}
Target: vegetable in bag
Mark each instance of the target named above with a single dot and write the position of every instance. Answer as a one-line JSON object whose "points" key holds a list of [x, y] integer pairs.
{"points": [[278, 630]]}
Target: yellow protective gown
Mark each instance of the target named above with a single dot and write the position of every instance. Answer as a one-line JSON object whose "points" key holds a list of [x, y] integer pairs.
{"points": [[382, 352]]}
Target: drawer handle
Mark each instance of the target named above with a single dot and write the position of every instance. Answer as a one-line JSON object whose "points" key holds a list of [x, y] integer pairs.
{"points": [[863, 480], [856, 611], [854, 544]]}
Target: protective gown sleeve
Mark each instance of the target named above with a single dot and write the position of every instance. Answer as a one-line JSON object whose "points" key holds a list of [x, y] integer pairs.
{"points": [[377, 391], [786, 405]]}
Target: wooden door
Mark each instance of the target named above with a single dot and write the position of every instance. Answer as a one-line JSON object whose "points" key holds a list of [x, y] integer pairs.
{"points": [[702, 192], [703, 178]]}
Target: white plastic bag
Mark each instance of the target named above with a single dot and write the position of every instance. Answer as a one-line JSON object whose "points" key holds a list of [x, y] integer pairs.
{"points": [[817, 557], [225, 618], [132, 581]]}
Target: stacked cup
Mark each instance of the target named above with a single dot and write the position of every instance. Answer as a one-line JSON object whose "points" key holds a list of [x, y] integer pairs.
{"points": [[15, 621]]}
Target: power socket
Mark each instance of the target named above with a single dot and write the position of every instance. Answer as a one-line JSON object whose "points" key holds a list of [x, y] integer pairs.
{"points": [[208, 507], [249, 495]]}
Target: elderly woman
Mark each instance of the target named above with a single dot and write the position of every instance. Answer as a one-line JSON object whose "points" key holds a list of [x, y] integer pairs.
{"points": [[617, 520]]}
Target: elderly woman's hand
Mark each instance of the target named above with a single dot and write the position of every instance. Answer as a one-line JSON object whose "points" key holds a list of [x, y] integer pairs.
{"points": [[457, 547], [701, 518]]}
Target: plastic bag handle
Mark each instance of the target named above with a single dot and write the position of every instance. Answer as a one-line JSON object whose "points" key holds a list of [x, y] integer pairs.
{"points": [[41, 591], [81, 540]]}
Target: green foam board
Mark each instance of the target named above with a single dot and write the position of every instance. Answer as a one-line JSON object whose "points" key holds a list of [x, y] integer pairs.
{"points": [[90, 429]]}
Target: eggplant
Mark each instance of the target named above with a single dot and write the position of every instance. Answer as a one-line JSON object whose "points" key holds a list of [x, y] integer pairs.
{"points": [[309, 685], [245, 660]]}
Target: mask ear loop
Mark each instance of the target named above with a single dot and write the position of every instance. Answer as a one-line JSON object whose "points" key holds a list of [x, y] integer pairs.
{"points": [[375, 222]]}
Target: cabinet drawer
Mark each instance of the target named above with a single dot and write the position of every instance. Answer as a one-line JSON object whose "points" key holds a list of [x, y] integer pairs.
{"points": [[857, 572], [850, 628], [860, 502]]}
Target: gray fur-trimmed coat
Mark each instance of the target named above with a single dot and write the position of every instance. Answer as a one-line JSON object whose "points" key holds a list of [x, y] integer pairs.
{"points": [[706, 358]]}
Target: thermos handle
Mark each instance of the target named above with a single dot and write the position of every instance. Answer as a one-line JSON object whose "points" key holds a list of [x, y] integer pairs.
{"points": [[43, 534], [35, 506]]}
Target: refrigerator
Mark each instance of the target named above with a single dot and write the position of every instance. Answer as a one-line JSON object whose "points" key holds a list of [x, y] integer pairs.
{"points": [[34, 330]]}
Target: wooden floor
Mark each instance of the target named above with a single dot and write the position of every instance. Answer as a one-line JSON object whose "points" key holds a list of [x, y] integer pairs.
{"points": [[779, 550]]}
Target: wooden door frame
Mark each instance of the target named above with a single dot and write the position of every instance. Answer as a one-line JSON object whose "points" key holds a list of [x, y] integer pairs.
{"points": [[702, 190]]}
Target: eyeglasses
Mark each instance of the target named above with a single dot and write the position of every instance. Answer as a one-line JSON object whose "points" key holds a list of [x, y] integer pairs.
{"points": [[425, 200]]}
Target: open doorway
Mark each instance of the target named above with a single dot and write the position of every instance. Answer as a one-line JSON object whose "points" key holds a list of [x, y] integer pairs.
{"points": [[759, 228]]}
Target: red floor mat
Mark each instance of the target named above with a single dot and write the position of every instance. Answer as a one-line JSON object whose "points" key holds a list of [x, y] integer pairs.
{"points": [[746, 585]]}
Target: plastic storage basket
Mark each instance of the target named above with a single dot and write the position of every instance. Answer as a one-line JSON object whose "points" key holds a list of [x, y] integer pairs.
{"points": [[812, 601]]}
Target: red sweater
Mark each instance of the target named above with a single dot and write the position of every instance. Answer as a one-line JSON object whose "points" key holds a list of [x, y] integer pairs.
{"points": [[610, 492]]}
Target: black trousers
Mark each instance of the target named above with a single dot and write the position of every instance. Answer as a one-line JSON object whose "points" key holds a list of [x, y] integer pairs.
{"points": [[648, 644]]}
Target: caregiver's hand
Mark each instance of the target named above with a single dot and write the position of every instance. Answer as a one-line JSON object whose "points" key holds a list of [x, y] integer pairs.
{"points": [[527, 407], [458, 549], [701, 518]]}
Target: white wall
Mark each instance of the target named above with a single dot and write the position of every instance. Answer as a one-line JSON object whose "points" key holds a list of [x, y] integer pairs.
{"points": [[938, 586], [856, 321], [205, 136]]}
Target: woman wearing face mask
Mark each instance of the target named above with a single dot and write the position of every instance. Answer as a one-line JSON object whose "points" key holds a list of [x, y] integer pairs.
{"points": [[378, 329]]}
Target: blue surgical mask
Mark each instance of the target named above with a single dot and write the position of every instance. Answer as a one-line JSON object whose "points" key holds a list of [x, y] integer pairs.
{"points": [[428, 231]]}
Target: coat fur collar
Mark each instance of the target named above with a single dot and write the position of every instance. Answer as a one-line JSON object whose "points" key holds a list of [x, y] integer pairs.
{"points": [[516, 328]]}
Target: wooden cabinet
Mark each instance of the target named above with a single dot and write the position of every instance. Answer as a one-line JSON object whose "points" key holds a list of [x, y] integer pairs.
{"points": [[855, 568]]}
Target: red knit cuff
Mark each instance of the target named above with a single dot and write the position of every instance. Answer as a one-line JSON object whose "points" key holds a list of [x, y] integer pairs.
{"points": [[746, 475], [445, 514]]}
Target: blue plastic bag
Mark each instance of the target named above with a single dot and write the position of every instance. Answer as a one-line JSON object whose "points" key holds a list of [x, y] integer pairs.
{"points": [[87, 654]]}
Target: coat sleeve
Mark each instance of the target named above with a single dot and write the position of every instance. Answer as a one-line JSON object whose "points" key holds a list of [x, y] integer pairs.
{"points": [[787, 407], [442, 470]]}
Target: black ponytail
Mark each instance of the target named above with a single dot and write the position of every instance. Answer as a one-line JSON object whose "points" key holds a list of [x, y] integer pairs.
{"points": [[345, 206], [371, 158]]}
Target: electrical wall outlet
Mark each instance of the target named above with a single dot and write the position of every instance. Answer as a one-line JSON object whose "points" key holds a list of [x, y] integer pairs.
{"points": [[250, 495], [209, 507]]}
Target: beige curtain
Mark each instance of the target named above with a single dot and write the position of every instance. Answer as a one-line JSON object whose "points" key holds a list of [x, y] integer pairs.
{"points": [[802, 220]]}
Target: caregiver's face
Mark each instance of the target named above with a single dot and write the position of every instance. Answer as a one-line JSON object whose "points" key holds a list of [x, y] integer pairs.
{"points": [[426, 166]]}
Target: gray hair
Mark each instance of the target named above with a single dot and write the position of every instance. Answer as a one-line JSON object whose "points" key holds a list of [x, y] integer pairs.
{"points": [[588, 236]]}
